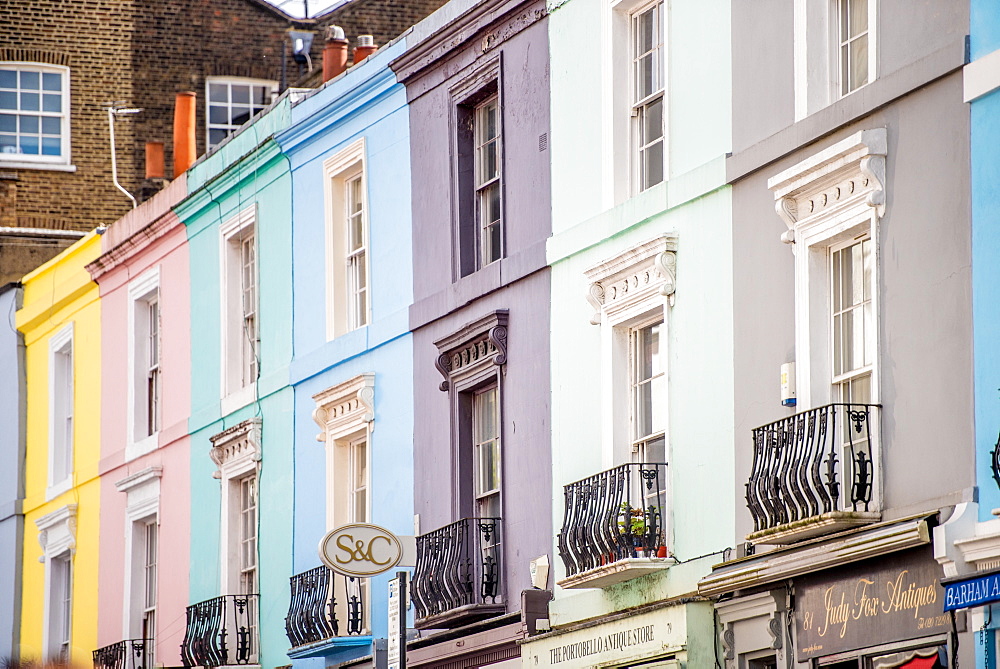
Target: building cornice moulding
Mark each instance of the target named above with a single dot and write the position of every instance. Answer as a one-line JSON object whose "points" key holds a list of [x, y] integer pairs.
{"points": [[475, 345], [632, 276], [345, 408], [498, 19], [57, 531], [139, 478], [847, 175], [873, 541], [238, 447]]}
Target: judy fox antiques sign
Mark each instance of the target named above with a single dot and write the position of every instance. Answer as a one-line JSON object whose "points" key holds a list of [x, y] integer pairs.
{"points": [[869, 604]]}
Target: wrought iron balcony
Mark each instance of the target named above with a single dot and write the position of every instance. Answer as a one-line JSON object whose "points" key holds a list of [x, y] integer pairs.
{"points": [[221, 631], [814, 473], [458, 575], [613, 525], [128, 654], [315, 613]]}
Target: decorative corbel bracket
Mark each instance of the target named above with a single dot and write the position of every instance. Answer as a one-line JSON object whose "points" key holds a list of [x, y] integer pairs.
{"points": [[788, 211], [666, 262], [873, 167], [595, 295]]}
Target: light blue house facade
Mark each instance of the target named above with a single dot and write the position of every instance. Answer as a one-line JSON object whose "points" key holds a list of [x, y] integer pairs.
{"points": [[238, 215], [348, 150], [11, 470]]}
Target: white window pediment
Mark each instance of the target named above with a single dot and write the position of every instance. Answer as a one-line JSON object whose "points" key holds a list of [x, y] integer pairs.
{"points": [[142, 491], [57, 532], [626, 283], [831, 188], [236, 450], [345, 408]]}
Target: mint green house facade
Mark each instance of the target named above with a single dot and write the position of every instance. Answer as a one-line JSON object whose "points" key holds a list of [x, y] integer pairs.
{"points": [[238, 215], [642, 366]]}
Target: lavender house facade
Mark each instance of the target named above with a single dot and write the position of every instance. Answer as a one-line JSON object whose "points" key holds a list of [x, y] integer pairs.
{"points": [[476, 79]]}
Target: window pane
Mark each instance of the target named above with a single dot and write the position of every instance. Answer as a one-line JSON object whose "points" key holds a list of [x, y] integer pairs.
{"points": [[241, 94], [52, 102], [845, 73], [51, 125], [859, 62], [858, 17], [8, 78], [30, 80], [29, 145], [652, 165], [8, 100], [218, 92], [240, 115], [28, 124], [8, 144], [8, 123], [51, 81], [260, 96], [51, 146], [644, 77], [652, 121], [30, 101], [645, 30], [655, 450]]}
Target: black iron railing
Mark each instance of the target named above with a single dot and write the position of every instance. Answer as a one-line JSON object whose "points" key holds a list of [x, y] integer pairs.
{"points": [[221, 631], [128, 654], [614, 515], [458, 566], [314, 613], [812, 463]]}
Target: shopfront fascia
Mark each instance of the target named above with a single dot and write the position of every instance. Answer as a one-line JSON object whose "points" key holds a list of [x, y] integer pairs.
{"points": [[654, 639], [815, 606]]}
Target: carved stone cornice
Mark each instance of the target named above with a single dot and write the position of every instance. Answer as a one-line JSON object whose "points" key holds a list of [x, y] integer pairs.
{"points": [[57, 531], [848, 175], [481, 343], [345, 408], [238, 444], [633, 276]]}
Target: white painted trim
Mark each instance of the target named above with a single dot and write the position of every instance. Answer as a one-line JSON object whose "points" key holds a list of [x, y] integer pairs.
{"points": [[59, 340], [981, 76], [141, 477], [60, 163], [233, 398], [139, 290], [38, 166], [142, 504], [346, 163], [57, 531]]}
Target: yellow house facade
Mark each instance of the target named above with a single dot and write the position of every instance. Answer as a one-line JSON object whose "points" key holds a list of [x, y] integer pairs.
{"points": [[60, 320]]}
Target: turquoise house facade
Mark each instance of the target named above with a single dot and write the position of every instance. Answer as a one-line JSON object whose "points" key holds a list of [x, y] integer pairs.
{"points": [[351, 372], [237, 214]]}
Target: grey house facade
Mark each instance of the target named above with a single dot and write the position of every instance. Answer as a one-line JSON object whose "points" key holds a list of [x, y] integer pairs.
{"points": [[12, 444], [850, 175], [477, 84]]}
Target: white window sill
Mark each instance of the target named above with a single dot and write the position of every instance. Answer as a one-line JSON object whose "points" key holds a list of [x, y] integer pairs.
{"points": [[52, 167], [59, 488], [141, 447], [237, 399]]}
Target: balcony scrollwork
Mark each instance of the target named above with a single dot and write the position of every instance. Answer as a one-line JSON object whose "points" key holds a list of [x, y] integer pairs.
{"points": [[314, 612], [611, 517], [128, 654], [458, 573], [814, 472], [221, 631]]}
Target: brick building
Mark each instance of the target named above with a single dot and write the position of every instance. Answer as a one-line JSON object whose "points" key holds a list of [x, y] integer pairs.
{"points": [[63, 63]]}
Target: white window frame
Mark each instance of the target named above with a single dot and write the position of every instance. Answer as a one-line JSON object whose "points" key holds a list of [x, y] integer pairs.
{"points": [[840, 42], [237, 389], [639, 106], [829, 200], [629, 291], [342, 309], [483, 184], [142, 507], [57, 537], [638, 442], [491, 497], [59, 344], [229, 82], [345, 414], [619, 149], [142, 291], [29, 161], [816, 49]]}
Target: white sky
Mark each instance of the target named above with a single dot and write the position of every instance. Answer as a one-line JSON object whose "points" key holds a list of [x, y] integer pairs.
{"points": [[298, 7]]}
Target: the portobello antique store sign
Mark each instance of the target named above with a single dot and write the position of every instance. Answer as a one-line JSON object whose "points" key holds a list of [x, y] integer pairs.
{"points": [[870, 604], [639, 637]]}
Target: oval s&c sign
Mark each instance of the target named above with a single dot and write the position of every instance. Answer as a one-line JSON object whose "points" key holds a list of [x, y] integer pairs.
{"points": [[360, 549]]}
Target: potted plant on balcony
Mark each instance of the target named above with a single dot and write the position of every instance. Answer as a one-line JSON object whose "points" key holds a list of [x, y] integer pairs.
{"points": [[632, 522]]}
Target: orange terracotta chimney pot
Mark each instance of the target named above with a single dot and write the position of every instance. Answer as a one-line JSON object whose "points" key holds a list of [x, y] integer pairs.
{"points": [[366, 47], [155, 164], [334, 53], [185, 145]]}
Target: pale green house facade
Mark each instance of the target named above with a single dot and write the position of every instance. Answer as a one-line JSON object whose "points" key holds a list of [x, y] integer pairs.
{"points": [[642, 338]]}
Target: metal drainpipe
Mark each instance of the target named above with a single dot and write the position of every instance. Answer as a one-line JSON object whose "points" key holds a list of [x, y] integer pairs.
{"points": [[112, 113]]}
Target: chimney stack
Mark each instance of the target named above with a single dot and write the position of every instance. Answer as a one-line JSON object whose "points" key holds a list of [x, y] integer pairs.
{"points": [[334, 53], [366, 47], [155, 164], [185, 145]]}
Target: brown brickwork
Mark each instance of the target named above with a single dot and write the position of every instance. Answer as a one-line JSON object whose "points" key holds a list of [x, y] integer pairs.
{"points": [[140, 53]]}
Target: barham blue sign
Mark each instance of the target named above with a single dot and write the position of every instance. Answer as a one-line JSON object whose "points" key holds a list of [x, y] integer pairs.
{"points": [[971, 591]]}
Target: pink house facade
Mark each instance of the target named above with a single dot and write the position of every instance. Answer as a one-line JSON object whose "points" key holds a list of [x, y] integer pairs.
{"points": [[145, 493]]}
